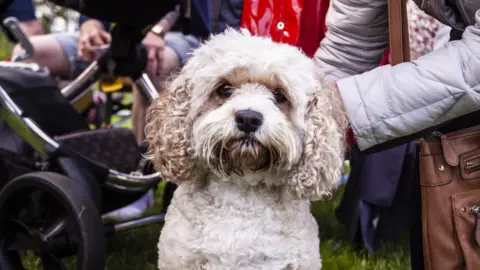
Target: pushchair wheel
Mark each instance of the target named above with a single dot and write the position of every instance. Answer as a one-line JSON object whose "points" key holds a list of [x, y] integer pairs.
{"points": [[49, 216]]}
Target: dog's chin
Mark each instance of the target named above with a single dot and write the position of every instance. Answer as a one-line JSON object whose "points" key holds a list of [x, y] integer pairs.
{"points": [[234, 156]]}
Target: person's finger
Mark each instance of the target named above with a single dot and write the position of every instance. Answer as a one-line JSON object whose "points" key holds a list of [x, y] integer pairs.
{"points": [[83, 46], [86, 56], [160, 58], [89, 53], [85, 50], [152, 65], [159, 45], [106, 37], [152, 54], [101, 38], [97, 40], [80, 50], [89, 43], [81, 42], [90, 57]]}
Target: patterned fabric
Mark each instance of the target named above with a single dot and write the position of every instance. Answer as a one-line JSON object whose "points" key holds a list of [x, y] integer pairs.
{"points": [[115, 148], [423, 30]]}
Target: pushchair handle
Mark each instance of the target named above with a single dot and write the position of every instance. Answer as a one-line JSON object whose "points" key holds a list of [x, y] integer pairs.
{"points": [[92, 73], [46, 145], [13, 29]]}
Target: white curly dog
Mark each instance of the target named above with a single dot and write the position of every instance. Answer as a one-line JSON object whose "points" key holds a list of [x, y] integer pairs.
{"points": [[251, 134]]}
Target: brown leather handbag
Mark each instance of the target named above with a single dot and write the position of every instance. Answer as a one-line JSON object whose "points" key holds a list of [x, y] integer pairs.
{"points": [[450, 194]]}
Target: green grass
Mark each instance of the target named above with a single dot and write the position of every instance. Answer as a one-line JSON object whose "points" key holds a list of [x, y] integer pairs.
{"points": [[5, 47], [136, 249], [338, 253]]}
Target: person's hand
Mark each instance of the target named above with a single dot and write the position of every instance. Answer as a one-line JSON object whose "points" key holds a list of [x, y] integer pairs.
{"points": [[155, 46], [92, 35]]}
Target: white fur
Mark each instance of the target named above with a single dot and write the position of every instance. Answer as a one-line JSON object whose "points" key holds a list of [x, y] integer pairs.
{"points": [[245, 219], [225, 226]]}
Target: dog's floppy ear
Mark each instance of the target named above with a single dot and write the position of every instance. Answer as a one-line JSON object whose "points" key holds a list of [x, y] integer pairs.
{"points": [[321, 164], [168, 131]]}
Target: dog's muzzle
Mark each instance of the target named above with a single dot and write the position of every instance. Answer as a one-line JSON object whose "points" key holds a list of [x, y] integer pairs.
{"points": [[236, 155]]}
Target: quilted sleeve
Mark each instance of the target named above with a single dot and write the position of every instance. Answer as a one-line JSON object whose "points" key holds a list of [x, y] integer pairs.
{"points": [[356, 39], [395, 101]]}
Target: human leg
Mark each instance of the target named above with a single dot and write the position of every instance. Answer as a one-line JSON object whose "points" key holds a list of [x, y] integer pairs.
{"points": [[174, 54], [170, 63], [57, 52]]}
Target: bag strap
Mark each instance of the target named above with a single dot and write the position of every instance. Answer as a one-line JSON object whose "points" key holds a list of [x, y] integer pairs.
{"points": [[398, 30]]}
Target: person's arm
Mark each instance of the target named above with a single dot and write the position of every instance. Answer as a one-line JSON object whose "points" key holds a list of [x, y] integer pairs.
{"points": [[391, 102], [356, 39]]}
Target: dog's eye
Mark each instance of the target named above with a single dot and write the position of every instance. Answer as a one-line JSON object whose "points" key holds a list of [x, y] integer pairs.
{"points": [[279, 96], [224, 90]]}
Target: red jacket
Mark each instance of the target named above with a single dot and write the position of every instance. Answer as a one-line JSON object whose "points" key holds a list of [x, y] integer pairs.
{"points": [[299, 23]]}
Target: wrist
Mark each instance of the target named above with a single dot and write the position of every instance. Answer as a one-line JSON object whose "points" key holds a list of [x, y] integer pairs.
{"points": [[158, 30]]}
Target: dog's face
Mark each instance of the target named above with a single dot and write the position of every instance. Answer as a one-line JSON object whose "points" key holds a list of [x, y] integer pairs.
{"points": [[250, 114], [244, 105]]}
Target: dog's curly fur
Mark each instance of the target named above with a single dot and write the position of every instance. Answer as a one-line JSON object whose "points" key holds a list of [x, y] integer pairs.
{"points": [[243, 199]]}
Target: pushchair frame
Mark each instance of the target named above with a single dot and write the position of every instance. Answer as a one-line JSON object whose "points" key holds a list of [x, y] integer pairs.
{"points": [[48, 147]]}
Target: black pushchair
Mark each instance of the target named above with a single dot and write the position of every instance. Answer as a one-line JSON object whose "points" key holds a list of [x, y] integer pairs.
{"points": [[57, 176]]}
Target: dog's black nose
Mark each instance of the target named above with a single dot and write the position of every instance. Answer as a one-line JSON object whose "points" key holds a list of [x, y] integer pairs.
{"points": [[248, 120]]}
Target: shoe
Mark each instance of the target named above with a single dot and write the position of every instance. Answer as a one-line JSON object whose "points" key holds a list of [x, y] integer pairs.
{"points": [[133, 210], [345, 178]]}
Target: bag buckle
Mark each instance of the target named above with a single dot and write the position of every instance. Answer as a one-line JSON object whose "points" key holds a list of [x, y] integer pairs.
{"points": [[475, 210]]}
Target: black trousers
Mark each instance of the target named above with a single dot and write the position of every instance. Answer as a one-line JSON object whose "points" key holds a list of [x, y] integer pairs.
{"points": [[415, 232]]}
